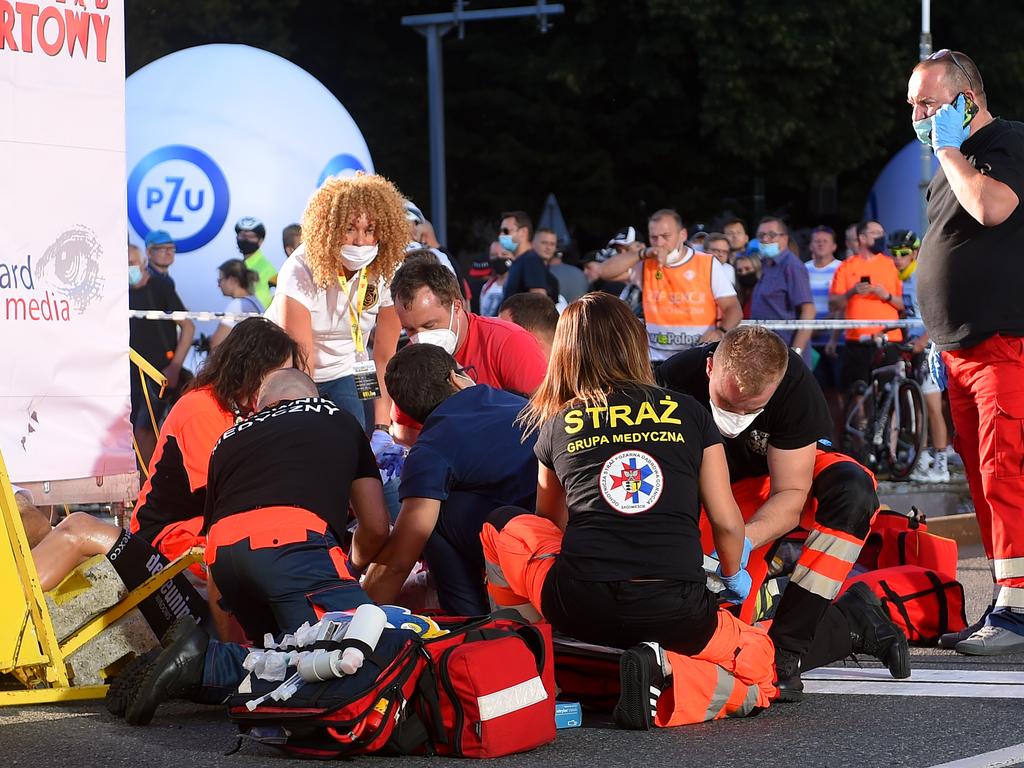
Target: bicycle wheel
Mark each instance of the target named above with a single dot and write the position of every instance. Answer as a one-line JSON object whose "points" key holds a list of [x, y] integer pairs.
{"points": [[906, 430], [859, 426]]}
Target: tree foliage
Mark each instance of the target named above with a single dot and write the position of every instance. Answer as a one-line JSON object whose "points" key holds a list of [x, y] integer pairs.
{"points": [[622, 107]]}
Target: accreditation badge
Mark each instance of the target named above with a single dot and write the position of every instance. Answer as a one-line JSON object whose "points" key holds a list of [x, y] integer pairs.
{"points": [[367, 385]]}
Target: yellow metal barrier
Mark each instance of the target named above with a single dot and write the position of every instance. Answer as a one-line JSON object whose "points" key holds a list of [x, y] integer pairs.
{"points": [[146, 369], [29, 650]]}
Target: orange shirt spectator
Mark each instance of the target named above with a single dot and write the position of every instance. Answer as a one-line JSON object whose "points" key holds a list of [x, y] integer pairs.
{"points": [[879, 271]]}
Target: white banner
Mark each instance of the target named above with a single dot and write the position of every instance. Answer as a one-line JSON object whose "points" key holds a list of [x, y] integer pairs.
{"points": [[63, 279]]}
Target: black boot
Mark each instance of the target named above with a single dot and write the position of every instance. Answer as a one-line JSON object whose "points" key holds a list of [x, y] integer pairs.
{"points": [[177, 672], [124, 687], [872, 632], [787, 676]]}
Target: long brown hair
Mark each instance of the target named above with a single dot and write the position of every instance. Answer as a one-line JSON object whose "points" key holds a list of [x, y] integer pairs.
{"points": [[599, 346], [334, 205], [235, 369]]}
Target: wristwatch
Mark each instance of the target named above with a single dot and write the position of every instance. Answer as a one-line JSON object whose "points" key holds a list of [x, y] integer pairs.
{"points": [[798, 351]]}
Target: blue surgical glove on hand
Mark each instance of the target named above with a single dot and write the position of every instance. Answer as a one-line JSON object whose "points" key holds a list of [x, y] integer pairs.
{"points": [[744, 558], [390, 463], [937, 366], [948, 129], [390, 457], [737, 586], [381, 441]]}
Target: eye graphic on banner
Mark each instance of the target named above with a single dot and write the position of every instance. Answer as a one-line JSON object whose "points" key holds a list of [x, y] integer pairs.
{"points": [[179, 189], [631, 482], [340, 165], [70, 267]]}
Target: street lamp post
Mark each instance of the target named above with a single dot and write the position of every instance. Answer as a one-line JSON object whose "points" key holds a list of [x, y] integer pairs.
{"points": [[434, 26]]}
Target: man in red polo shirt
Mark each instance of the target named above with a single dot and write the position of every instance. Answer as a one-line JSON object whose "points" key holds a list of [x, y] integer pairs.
{"points": [[493, 352]]}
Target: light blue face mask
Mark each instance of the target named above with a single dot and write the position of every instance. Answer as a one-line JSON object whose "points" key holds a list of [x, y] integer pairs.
{"points": [[134, 274], [507, 243], [769, 250], [923, 129]]}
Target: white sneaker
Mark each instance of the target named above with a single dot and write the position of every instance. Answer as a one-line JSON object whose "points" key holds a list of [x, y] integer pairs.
{"points": [[953, 457], [991, 641], [939, 470], [922, 470]]}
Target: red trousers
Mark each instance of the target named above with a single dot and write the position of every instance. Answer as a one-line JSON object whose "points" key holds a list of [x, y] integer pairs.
{"points": [[986, 398]]}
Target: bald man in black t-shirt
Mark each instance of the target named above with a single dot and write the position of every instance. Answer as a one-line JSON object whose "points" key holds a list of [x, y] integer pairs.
{"points": [[277, 502]]}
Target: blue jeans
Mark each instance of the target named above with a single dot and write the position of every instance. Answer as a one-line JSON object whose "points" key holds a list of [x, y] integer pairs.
{"points": [[342, 392]]}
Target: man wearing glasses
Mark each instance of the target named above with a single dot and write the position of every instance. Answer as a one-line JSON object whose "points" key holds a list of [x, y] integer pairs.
{"points": [[970, 284], [470, 459], [528, 273], [784, 290]]}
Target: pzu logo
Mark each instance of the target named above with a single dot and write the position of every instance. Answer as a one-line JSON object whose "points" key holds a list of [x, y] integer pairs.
{"points": [[179, 189]]}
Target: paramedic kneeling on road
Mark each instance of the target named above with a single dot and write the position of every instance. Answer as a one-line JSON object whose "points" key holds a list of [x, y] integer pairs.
{"points": [[619, 466], [776, 424], [280, 484]]}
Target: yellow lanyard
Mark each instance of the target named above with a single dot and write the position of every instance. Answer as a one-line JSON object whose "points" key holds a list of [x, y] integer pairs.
{"points": [[355, 308]]}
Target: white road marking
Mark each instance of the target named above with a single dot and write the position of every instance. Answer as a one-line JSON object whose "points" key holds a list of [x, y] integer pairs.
{"points": [[999, 758], [955, 683]]}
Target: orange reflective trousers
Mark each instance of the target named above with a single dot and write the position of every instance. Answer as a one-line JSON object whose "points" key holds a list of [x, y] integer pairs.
{"points": [[731, 677]]}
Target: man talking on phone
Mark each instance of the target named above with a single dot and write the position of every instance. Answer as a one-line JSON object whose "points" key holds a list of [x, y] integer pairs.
{"points": [[970, 288], [866, 286]]}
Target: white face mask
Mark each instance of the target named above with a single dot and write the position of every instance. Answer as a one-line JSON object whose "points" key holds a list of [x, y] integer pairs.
{"points": [[445, 338], [356, 257], [732, 424]]}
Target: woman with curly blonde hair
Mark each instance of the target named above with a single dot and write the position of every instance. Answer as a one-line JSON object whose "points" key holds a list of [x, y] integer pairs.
{"points": [[334, 290]]}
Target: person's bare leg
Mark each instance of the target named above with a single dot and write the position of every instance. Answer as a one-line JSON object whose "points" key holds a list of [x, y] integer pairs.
{"points": [[146, 440], [37, 525], [936, 421], [77, 538]]}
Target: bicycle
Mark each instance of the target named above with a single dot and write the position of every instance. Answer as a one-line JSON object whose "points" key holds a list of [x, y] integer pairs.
{"points": [[885, 427]]}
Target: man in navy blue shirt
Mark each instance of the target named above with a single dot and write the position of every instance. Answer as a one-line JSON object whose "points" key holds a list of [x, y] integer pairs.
{"points": [[469, 460], [528, 272]]}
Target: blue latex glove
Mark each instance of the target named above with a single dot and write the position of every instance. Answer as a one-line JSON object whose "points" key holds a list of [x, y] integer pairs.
{"points": [[948, 129], [744, 558], [381, 441], [737, 586], [937, 366], [390, 463]]}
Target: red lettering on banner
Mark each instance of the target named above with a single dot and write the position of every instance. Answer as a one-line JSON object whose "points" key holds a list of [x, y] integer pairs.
{"points": [[77, 32], [51, 49], [48, 308], [31, 10], [6, 26], [53, 30], [101, 27]]}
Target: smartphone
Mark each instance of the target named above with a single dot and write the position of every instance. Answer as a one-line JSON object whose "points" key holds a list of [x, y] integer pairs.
{"points": [[865, 279], [970, 110]]}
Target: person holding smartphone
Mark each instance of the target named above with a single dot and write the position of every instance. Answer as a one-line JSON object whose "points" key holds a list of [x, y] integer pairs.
{"points": [[969, 285], [865, 286]]}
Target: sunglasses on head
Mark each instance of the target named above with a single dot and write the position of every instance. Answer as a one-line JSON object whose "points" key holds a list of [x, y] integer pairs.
{"points": [[945, 53]]}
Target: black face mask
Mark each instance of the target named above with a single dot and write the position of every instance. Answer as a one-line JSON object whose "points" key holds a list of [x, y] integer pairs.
{"points": [[747, 279], [499, 266], [247, 247], [879, 245]]}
